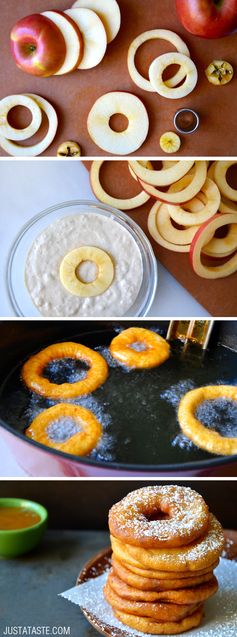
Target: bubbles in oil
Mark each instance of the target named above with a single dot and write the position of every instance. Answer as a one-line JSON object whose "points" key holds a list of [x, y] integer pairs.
{"points": [[219, 415], [175, 392], [63, 428]]}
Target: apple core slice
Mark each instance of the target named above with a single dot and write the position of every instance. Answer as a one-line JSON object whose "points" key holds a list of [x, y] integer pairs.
{"points": [[102, 195], [186, 193], [169, 173], [107, 10], [202, 238], [94, 36], [32, 151], [156, 234], [221, 168], [6, 130], [98, 123], [158, 67], [155, 34], [72, 37]]}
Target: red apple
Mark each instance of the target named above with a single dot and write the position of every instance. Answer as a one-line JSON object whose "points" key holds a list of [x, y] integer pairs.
{"points": [[208, 18], [37, 45]]}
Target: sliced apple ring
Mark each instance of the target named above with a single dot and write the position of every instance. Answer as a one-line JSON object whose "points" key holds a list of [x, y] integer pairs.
{"points": [[147, 163], [205, 233], [185, 218], [223, 247], [15, 134], [108, 11], [126, 141], [164, 224], [221, 168], [155, 34], [72, 37], [211, 171], [227, 205], [156, 234], [102, 195], [170, 172], [72, 260], [16, 150], [94, 36], [158, 67], [185, 194]]}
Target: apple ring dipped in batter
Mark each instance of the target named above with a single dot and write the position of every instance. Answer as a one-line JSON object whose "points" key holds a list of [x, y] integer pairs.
{"points": [[135, 519], [156, 583], [33, 370], [147, 625], [198, 555], [191, 595], [201, 435], [139, 348], [83, 428], [154, 610]]}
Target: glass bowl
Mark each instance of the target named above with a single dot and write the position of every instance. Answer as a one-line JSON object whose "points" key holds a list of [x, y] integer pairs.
{"points": [[19, 296]]}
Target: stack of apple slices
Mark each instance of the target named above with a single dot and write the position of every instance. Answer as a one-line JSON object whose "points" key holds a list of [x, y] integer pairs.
{"points": [[192, 202], [58, 42]]}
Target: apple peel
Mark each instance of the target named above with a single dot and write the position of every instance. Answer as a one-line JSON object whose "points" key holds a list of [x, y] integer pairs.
{"points": [[126, 141], [205, 233], [14, 134], [94, 36], [165, 176], [104, 197], [158, 67], [108, 12], [17, 150], [155, 34]]}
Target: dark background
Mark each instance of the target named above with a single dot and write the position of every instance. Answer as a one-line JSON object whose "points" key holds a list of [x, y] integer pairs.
{"points": [[84, 504]]}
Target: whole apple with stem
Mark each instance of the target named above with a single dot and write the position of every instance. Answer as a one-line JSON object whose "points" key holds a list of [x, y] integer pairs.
{"points": [[208, 18], [37, 45]]}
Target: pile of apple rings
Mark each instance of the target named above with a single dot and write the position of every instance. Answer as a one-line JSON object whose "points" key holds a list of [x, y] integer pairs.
{"points": [[10, 135], [194, 196], [187, 72]]}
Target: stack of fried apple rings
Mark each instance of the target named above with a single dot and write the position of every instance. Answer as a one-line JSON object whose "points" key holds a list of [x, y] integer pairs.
{"points": [[165, 546]]}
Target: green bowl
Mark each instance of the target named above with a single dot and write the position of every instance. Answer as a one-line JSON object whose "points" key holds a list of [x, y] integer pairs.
{"points": [[20, 541]]}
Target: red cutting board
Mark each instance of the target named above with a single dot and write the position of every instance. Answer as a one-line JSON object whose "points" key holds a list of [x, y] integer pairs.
{"points": [[219, 297], [73, 95]]}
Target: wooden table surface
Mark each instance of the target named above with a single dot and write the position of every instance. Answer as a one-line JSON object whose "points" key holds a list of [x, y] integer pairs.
{"points": [[30, 585]]}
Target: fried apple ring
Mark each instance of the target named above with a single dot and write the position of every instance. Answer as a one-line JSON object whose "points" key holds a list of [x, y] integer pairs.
{"points": [[196, 556], [146, 625], [165, 575], [155, 350], [87, 429], [192, 595], [203, 437], [134, 519], [155, 584], [33, 369], [159, 611]]}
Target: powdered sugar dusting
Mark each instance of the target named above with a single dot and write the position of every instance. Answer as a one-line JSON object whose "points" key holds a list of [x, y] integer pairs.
{"points": [[220, 611]]}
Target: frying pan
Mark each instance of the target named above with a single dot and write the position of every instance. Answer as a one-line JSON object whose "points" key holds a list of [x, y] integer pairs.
{"points": [[137, 408]]}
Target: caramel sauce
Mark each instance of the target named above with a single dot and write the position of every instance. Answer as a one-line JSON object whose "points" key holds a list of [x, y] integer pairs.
{"points": [[13, 518]]}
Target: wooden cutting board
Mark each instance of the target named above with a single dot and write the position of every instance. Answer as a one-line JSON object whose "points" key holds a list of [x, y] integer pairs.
{"points": [[73, 95], [219, 297]]}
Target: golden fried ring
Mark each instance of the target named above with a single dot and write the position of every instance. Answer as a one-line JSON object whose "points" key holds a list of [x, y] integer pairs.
{"points": [[197, 432], [196, 556], [132, 519], [137, 568], [32, 371], [192, 595], [146, 625], [156, 583], [79, 443], [156, 351], [159, 611]]}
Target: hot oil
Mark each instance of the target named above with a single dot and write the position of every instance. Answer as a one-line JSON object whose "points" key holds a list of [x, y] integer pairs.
{"points": [[138, 409]]}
